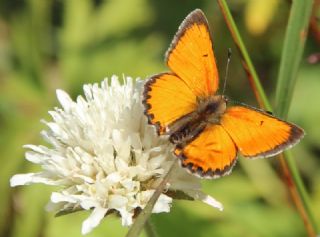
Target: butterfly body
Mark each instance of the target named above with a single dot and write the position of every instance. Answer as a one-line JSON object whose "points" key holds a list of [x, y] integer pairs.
{"points": [[208, 111], [184, 104]]}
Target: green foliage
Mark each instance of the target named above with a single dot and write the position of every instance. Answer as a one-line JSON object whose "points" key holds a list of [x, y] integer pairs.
{"points": [[45, 45], [293, 48]]}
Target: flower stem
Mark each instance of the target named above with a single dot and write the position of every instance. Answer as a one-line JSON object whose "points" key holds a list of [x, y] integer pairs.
{"points": [[294, 43], [298, 192], [145, 213], [149, 229]]}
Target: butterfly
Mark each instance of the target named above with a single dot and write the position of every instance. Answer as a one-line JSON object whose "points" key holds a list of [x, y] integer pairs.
{"points": [[206, 132]]}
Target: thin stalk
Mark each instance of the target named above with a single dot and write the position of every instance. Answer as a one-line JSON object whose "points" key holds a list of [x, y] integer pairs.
{"points": [[149, 229], [246, 60], [298, 192], [284, 93], [145, 213]]}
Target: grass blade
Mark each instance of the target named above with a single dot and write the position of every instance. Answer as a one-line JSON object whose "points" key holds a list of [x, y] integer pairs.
{"points": [[292, 53]]}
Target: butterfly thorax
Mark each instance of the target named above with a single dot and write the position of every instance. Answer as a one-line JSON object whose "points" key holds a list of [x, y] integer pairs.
{"points": [[208, 111], [211, 108]]}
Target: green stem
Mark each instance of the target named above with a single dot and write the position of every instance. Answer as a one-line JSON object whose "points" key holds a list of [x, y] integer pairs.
{"points": [[301, 189], [149, 229], [246, 60], [294, 43], [145, 213]]}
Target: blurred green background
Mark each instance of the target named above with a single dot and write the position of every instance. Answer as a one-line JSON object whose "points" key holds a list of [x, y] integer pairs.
{"points": [[45, 45]]}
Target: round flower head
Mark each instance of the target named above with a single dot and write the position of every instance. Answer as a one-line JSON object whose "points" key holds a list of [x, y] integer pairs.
{"points": [[105, 157]]}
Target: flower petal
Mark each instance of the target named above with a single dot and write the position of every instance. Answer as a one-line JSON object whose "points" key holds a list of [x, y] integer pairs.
{"points": [[163, 204], [26, 179], [93, 220], [64, 100], [198, 195]]}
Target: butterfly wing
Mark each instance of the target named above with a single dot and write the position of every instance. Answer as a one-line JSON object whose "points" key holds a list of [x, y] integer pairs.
{"points": [[211, 155], [191, 57], [166, 99], [258, 134], [171, 96]]}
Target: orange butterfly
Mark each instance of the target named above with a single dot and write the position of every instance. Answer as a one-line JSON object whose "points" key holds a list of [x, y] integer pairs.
{"points": [[206, 133]]}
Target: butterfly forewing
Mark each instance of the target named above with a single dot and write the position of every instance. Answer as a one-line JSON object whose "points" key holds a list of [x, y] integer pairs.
{"points": [[167, 99], [258, 134], [191, 57]]}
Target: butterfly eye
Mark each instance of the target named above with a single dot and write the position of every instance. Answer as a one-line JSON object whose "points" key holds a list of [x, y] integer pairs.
{"points": [[225, 99]]}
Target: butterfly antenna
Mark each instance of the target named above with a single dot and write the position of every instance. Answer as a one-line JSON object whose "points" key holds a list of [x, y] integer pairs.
{"points": [[227, 69]]}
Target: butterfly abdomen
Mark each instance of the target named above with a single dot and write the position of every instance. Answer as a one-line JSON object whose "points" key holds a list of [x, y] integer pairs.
{"points": [[186, 129]]}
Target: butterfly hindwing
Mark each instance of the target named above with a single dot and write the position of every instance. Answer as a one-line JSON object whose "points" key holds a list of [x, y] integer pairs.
{"points": [[258, 134], [191, 57], [210, 155]]}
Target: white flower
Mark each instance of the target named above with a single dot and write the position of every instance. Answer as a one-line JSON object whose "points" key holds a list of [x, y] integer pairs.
{"points": [[104, 156]]}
